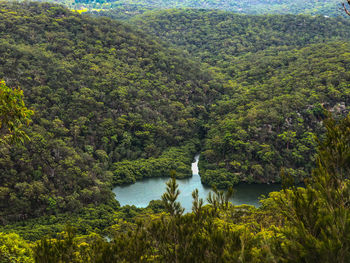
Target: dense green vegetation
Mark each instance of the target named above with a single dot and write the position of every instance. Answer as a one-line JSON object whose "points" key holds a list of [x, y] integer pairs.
{"points": [[294, 225], [275, 91], [114, 104], [276, 107], [14, 115], [125, 9], [216, 37], [173, 160], [110, 101], [102, 93]]}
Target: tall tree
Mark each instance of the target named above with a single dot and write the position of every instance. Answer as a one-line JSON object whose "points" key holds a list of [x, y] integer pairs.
{"points": [[318, 216], [170, 196]]}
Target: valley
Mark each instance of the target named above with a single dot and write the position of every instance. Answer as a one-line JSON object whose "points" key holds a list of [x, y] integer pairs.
{"points": [[118, 103]]}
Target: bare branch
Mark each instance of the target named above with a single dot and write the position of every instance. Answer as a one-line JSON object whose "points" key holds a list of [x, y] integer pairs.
{"points": [[346, 10]]}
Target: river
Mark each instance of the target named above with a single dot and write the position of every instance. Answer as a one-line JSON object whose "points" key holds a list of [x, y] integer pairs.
{"points": [[142, 192]]}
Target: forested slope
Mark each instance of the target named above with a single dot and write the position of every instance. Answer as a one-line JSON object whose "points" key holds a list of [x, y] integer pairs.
{"points": [[106, 94], [102, 93], [275, 108], [216, 36], [125, 9], [113, 104], [278, 82], [301, 224]]}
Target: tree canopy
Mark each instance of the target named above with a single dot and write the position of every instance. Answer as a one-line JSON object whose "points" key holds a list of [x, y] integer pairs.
{"points": [[115, 103], [13, 115]]}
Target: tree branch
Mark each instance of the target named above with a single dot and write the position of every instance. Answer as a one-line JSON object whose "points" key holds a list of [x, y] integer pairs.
{"points": [[346, 10]]}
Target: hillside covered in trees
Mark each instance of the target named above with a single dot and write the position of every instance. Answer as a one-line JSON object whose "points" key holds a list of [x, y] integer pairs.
{"points": [[114, 103], [102, 93], [105, 94], [276, 106], [294, 225], [277, 82], [215, 37], [124, 9]]}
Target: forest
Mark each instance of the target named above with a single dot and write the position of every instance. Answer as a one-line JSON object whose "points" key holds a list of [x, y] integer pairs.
{"points": [[88, 103], [272, 105], [126, 9], [297, 224], [101, 94]]}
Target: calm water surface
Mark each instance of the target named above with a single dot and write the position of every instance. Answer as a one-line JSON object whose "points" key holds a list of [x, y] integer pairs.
{"points": [[146, 190]]}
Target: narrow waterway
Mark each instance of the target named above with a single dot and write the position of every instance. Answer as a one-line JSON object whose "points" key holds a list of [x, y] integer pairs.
{"points": [[142, 192]]}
